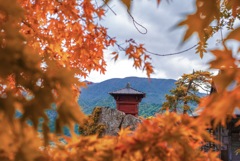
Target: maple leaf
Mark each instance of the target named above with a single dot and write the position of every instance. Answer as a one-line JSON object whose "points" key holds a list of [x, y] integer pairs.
{"points": [[225, 78], [224, 59], [234, 34], [149, 68], [115, 56], [207, 11], [201, 48], [234, 5]]}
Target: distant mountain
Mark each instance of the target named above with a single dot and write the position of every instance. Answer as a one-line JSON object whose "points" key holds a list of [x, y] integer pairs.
{"points": [[96, 94]]}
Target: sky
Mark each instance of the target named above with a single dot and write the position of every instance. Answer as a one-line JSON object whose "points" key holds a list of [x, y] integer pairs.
{"points": [[162, 37]]}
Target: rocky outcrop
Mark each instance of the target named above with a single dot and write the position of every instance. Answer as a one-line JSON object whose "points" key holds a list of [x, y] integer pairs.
{"points": [[130, 121], [114, 120]]}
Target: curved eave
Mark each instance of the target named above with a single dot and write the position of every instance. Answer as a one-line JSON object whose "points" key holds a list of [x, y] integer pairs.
{"points": [[133, 94]]}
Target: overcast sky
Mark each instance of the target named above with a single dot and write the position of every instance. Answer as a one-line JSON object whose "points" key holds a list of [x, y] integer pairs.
{"points": [[162, 37]]}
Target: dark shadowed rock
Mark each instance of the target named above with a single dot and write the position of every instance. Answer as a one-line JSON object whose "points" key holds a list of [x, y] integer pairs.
{"points": [[114, 120]]}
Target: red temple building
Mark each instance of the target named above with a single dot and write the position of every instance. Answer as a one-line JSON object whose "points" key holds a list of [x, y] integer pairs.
{"points": [[127, 99]]}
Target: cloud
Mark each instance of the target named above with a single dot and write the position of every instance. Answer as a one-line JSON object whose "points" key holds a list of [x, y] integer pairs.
{"points": [[176, 66], [118, 69], [161, 38]]}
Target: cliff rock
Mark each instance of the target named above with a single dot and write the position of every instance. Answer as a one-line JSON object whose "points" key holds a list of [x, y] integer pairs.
{"points": [[114, 120]]}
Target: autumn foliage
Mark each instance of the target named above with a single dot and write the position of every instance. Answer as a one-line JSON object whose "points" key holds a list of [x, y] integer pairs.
{"points": [[45, 44], [168, 137], [91, 125], [187, 91]]}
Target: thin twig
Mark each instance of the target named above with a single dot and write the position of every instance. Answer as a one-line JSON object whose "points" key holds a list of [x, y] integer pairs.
{"points": [[135, 23], [170, 54]]}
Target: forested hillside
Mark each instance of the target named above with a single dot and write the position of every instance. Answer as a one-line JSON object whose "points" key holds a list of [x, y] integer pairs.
{"points": [[96, 94]]}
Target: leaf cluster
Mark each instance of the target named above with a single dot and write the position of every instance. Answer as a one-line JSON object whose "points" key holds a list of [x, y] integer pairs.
{"points": [[90, 125], [187, 91], [162, 138]]}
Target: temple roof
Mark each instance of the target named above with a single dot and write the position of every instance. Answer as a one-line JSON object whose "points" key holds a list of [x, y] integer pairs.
{"points": [[127, 90]]}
